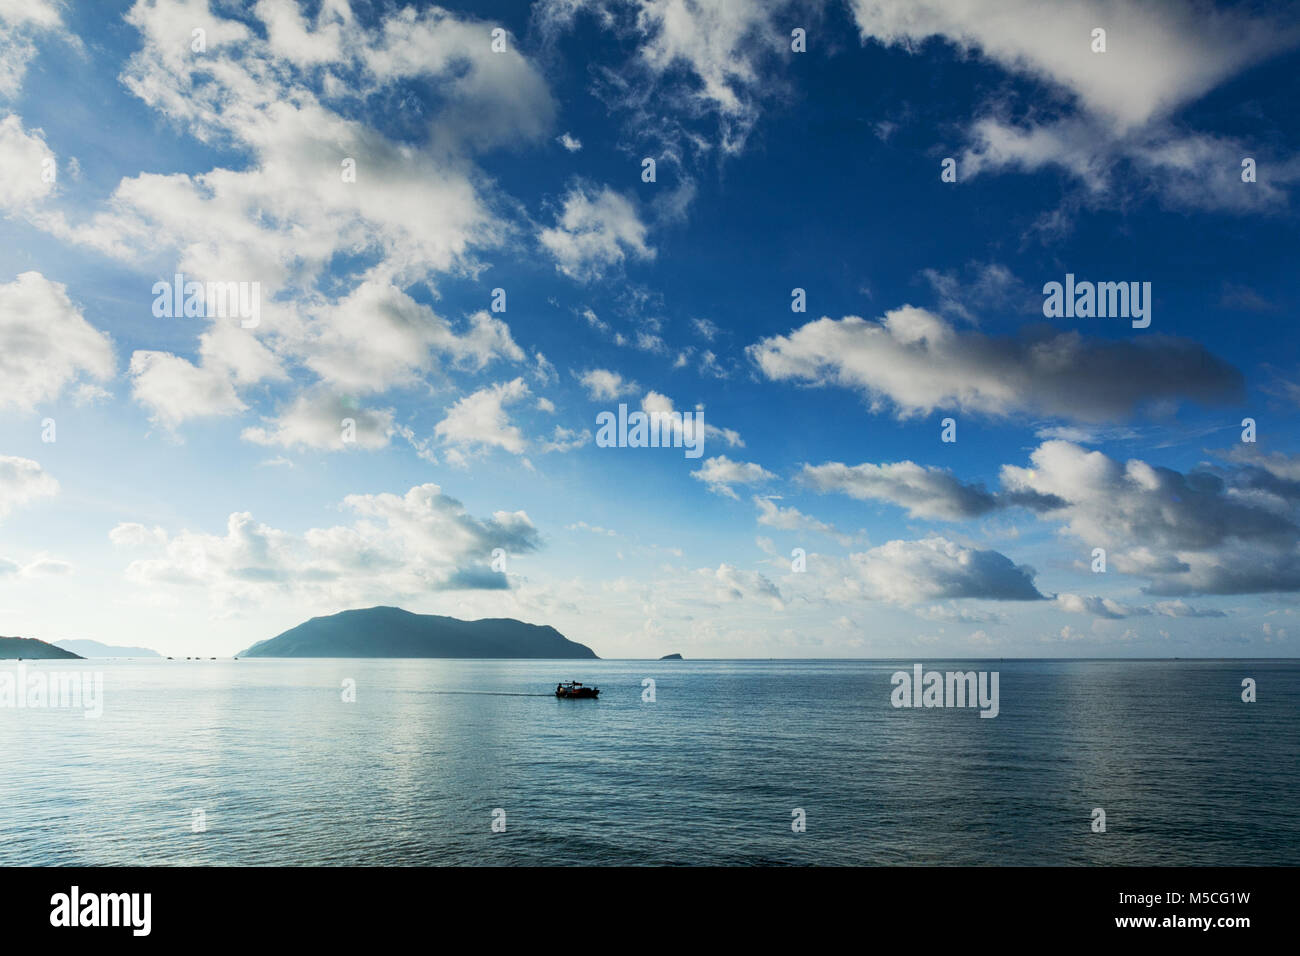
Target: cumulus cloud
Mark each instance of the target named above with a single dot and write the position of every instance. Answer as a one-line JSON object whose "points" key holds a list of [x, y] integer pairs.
{"points": [[23, 155], [596, 230], [732, 584], [480, 420], [22, 22], [957, 614], [603, 385], [378, 338], [327, 421], [657, 403], [21, 481], [175, 390], [46, 344], [1204, 531], [926, 492], [1159, 58], [1260, 465], [1110, 502], [565, 439], [792, 519], [1097, 606], [934, 568], [1186, 170], [398, 546], [1182, 609], [1115, 610], [290, 208], [316, 182], [917, 362], [720, 473]]}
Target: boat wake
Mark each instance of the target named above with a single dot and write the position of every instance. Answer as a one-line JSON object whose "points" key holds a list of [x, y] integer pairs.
{"points": [[488, 693]]}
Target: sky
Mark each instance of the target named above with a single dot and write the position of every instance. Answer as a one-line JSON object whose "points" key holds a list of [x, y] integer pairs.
{"points": [[462, 233]]}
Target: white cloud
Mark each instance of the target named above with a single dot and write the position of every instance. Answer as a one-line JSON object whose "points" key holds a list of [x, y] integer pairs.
{"points": [[720, 473], [1187, 533], [917, 361], [1182, 609], [174, 389], [594, 320], [21, 481], [378, 338], [47, 567], [1158, 58], [926, 492], [46, 344], [604, 385], [23, 154], [286, 105], [398, 546], [21, 22], [909, 572], [480, 419], [655, 402], [792, 519], [706, 328], [698, 59], [958, 615], [281, 219], [732, 584], [595, 231], [1097, 606], [316, 419], [566, 439]]}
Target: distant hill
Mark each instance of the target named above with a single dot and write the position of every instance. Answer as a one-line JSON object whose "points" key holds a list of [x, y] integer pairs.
{"points": [[393, 632], [88, 648], [29, 648], [671, 657]]}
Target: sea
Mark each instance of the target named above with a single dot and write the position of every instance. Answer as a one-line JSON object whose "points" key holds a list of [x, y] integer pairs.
{"points": [[476, 763]]}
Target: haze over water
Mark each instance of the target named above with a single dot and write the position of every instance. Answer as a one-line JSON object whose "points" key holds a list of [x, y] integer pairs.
{"points": [[287, 773]]}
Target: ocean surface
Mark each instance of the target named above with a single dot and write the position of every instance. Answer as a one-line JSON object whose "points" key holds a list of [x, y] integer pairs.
{"points": [[286, 772]]}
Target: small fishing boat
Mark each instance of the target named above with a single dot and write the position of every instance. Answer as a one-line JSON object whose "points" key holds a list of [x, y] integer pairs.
{"points": [[573, 688]]}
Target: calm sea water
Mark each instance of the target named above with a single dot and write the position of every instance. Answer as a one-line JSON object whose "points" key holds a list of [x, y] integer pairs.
{"points": [[287, 773]]}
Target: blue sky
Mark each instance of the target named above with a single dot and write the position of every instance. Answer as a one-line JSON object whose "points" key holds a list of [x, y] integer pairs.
{"points": [[199, 493]]}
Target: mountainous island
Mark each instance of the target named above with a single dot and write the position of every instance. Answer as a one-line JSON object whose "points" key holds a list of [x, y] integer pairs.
{"points": [[88, 648], [393, 632], [30, 649], [671, 657]]}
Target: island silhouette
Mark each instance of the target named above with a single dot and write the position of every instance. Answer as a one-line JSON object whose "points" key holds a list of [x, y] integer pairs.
{"points": [[394, 632], [29, 648]]}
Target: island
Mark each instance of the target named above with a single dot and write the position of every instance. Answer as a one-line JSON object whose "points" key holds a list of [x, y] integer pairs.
{"points": [[88, 648], [394, 632], [29, 648], [671, 657]]}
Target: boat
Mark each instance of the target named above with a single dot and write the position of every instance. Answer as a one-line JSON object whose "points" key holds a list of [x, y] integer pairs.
{"points": [[573, 688]]}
